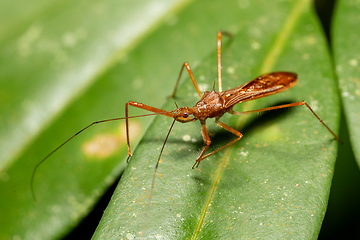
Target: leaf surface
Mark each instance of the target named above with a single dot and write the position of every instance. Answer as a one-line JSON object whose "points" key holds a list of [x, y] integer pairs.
{"points": [[346, 49], [275, 182]]}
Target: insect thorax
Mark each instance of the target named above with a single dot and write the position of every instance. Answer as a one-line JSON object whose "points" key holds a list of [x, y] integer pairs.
{"points": [[210, 105]]}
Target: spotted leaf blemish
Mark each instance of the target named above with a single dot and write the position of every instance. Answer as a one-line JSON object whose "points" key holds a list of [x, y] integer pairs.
{"points": [[104, 145]]}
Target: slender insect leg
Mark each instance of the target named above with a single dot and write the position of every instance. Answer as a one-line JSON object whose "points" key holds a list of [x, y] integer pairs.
{"points": [[127, 130], [219, 66], [187, 66], [223, 125], [145, 107], [287, 106], [207, 141], [219, 35]]}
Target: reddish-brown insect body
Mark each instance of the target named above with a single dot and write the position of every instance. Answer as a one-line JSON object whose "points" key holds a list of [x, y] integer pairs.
{"points": [[216, 104], [211, 105]]}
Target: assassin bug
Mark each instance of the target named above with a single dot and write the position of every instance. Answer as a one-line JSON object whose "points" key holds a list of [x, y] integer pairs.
{"points": [[211, 105]]}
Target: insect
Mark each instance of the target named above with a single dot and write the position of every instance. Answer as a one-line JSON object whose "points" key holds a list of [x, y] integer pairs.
{"points": [[212, 104]]}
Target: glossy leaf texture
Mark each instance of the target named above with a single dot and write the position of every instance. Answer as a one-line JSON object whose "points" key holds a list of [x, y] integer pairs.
{"points": [[275, 182], [65, 64], [346, 49]]}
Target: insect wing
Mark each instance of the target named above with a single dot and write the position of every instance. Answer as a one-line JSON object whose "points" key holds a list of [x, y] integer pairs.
{"points": [[262, 86]]}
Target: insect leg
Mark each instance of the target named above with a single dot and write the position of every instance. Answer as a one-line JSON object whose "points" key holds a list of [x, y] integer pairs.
{"points": [[187, 66], [223, 125], [145, 107], [291, 105], [207, 141], [219, 67], [219, 35]]}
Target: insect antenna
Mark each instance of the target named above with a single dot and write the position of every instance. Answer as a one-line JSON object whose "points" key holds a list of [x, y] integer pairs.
{"points": [[69, 139], [157, 164]]}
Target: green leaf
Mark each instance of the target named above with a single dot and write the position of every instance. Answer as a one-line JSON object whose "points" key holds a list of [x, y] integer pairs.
{"points": [[65, 64], [347, 60], [275, 182]]}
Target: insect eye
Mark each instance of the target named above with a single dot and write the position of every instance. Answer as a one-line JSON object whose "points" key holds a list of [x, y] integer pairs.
{"points": [[185, 115]]}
